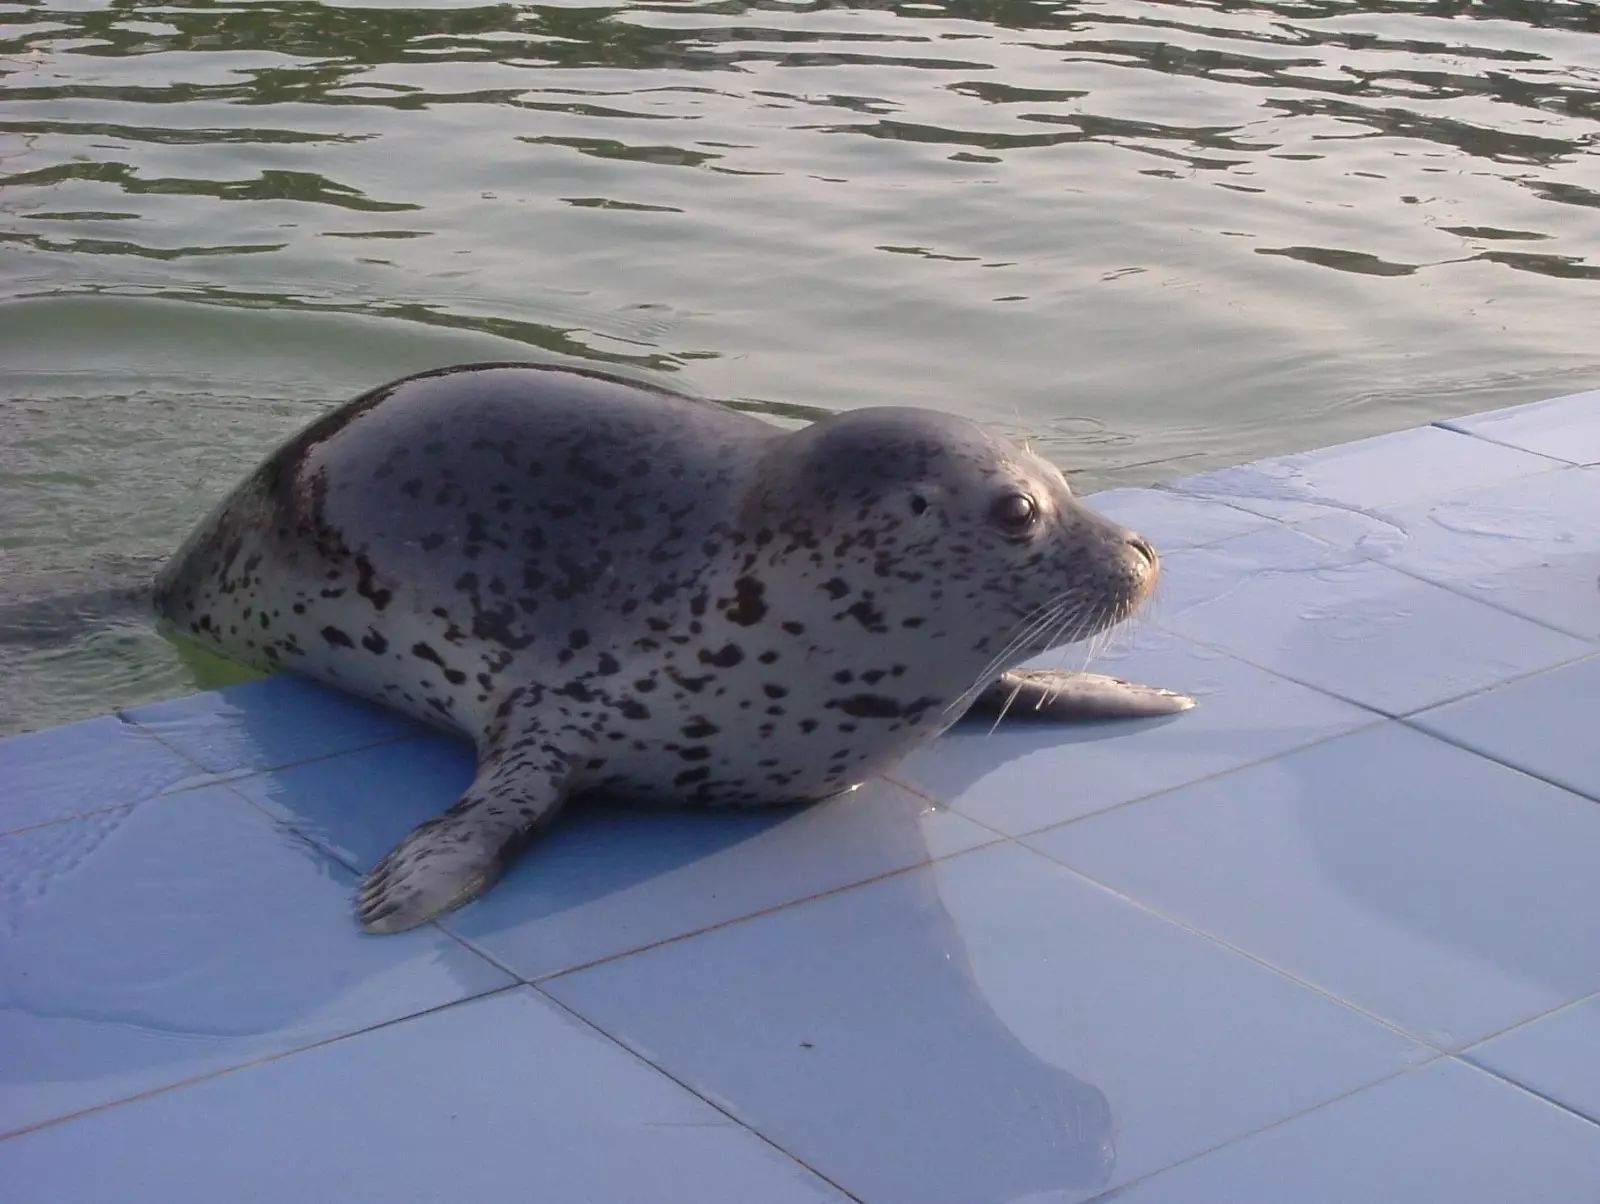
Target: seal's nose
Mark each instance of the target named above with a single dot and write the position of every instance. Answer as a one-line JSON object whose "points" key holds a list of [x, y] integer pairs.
{"points": [[1145, 548]]}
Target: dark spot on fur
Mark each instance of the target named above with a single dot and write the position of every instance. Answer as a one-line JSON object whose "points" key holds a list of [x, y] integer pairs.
{"points": [[868, 706], [366, 587], [867, 615], [337, 638], [748, 604]]}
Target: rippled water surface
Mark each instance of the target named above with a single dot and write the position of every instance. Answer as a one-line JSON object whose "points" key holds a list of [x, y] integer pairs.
{"points": [[1153, 237]]}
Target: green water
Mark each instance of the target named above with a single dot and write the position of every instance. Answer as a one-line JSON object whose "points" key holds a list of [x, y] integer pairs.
{"points": [[1152, 237]]}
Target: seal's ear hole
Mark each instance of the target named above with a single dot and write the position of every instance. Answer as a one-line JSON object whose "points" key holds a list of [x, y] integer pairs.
{"points": [[918, 503]]}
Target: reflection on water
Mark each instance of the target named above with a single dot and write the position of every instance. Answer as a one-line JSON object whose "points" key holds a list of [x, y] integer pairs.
{"points": [[1152, 236]]}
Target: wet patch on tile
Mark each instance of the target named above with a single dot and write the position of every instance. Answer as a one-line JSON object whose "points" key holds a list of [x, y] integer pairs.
{"points": [[180, 936]]}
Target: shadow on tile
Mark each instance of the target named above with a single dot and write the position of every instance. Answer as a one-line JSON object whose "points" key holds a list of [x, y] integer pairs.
{"points": [[1440, 890], [903, 1070], [609, 879], [988, 1027]]}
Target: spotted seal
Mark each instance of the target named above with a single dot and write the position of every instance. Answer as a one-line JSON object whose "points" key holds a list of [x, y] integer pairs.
{"points": [[617, 589]]}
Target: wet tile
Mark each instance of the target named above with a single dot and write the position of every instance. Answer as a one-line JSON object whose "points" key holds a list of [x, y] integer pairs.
{"points": [[489, 1100], [84, 767], [1027, 775], [145, 946], [606, 880], [1443, 1132], [1448, 894], [1567, 428], [358, 805], [1544, 724], [1557, 1056], [267, 723], [1528, 546], [1386, 470], [1333, 619], [1172, 520], [990, 1027]]}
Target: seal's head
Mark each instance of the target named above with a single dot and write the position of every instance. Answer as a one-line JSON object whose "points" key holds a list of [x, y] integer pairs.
{"points": [[980, 543]]}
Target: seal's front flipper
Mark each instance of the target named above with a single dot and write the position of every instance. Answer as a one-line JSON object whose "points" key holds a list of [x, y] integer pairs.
{"points": [[454, 857], [1056, 694]]}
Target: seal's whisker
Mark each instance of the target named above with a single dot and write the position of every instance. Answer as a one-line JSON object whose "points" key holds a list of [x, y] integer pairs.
{"points": [[1089, 622], [1064, 641], [1034, 622], [1006, 706], [1006, 654], [1054, 610]]}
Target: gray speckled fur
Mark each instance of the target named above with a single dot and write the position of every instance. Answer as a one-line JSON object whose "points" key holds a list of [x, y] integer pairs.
{"points": [[612, 587]]}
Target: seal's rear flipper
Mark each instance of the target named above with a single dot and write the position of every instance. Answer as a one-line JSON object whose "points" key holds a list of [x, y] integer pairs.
{"points": [[455, 857], [1056, 694]]}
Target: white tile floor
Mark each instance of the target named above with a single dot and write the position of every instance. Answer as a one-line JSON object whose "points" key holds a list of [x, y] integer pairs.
{"points": [[1332, 936]]}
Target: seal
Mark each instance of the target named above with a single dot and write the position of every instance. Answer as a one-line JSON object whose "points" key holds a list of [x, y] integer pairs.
{"points": [[620, 590]]}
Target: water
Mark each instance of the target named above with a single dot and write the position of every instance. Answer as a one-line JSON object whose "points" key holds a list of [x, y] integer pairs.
{"points": [[1152, 237]]}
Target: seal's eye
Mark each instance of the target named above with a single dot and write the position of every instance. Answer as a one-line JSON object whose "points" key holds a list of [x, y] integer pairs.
{"points": [[1014, 513]]}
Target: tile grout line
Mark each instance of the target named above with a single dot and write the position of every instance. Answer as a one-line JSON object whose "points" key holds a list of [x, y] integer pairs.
{"points": [[551, 976], [710, 1103], [1447, 586], [1517, 679], [241, 773], [262, 1060], [1525, 1089], [1454, 742], [518, 982], [1443, 424], [1151, 909], [1592, 996], [1592, 649], [1376, 721], [1432, 1051], [1111, 1193]]}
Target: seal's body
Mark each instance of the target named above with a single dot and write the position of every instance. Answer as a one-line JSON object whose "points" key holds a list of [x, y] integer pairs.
{"points": [[619, 589]]}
